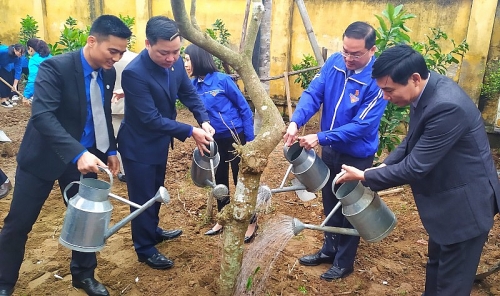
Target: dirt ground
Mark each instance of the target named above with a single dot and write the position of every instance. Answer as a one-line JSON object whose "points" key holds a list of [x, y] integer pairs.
{"points": [[394, 266]]}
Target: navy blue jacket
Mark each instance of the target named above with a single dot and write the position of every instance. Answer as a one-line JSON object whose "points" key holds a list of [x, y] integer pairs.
{"points": [[149, 123]]}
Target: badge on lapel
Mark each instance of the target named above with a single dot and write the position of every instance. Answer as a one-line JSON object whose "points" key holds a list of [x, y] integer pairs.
{"points": [[354, 97]]}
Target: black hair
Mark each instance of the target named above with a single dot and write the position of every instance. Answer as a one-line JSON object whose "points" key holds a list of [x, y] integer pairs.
{"points": [[106, 25], [13, 48], [202, 62], [361, 30], [161, 27], [399, 63], [39, 46]]}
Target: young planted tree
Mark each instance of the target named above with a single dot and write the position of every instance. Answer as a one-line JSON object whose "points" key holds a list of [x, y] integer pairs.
{"points": [[254, 155]]}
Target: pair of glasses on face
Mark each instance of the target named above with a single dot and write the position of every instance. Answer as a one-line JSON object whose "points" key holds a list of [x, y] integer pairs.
{"points": [[352, 56]]}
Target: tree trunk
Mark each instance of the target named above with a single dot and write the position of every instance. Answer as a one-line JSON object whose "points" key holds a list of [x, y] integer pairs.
{"points": [[254, 155]]}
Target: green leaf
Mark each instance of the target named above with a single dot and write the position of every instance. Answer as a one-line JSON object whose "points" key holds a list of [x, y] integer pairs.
{"points": [[382, 23], [398, 9]]}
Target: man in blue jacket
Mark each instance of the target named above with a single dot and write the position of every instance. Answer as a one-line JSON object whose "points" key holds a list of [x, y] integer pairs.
{"points": [[352, 108]]}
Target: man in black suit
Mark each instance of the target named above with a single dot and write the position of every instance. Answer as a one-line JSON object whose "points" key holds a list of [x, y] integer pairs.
{"points": [[151, 83], [446, 159], [60, 143]]}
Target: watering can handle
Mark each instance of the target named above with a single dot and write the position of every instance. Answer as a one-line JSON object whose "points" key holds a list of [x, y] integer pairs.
{"points": [[66, 199], [105, 170], [285, 152], [342, 172]]}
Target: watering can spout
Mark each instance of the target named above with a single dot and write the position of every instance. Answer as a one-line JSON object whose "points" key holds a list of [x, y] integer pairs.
{"points": [[298, 226], [161, 195]]}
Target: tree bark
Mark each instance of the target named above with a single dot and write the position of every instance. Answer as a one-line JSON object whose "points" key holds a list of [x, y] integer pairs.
{"points": [[254, 155]]}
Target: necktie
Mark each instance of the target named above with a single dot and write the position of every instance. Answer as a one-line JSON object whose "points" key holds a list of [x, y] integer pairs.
{"points": [[100, 127], [349, 73]]}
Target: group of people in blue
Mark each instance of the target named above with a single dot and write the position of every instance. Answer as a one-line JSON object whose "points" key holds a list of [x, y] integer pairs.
{"points": [[16, 60], [446, 132]]}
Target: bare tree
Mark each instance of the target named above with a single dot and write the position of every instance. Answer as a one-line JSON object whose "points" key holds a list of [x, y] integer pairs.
{"points": [[254, 155]]}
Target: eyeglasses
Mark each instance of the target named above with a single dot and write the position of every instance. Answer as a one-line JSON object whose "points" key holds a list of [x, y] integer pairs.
{"points": [[354, 57]]}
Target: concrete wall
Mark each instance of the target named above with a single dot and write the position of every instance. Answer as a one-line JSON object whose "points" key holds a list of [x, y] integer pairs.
{"points": [[474, 20]]}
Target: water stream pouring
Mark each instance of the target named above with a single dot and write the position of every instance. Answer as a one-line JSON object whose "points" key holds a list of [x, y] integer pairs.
{"points": [[88, 215]]}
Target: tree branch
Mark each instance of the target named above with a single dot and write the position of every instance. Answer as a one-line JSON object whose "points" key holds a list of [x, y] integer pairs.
{"points": [[201, 39], [253, 30], [192, 14]]}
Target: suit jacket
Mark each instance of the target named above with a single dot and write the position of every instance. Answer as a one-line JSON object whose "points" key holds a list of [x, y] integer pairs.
{"points": [[59, 113], [446, 159], [149, 123]]}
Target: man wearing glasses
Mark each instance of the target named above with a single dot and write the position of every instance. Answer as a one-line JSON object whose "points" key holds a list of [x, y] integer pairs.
{"points": [[352, 108]]}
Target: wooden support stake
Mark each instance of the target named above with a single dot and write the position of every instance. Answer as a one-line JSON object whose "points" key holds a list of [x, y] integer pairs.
{"points": [[288, 99]]}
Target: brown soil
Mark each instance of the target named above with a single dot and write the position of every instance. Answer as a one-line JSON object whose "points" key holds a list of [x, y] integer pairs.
{"points": [[394, 266]]}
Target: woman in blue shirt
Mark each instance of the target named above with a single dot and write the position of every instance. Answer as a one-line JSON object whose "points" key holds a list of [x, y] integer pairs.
{"points": [[230, 115], [9, 60], [39, 52]]}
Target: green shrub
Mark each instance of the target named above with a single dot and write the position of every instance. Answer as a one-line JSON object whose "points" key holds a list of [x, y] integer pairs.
{"points": [[490, 88], [130, 22], [305, 78], [393, 31], [219, 33], [29, 29]]}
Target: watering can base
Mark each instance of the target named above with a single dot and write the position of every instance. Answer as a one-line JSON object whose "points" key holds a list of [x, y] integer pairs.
{"points": [[80, 248], [303, 194], [382, 235]]}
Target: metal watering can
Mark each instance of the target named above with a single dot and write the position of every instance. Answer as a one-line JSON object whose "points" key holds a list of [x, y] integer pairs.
{"points": [[87, 219], [307, 167], [362, 207], [310, 171], [203, 168]]}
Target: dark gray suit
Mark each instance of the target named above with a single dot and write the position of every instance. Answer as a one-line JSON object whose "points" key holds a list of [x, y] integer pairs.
{"points": [[446, 159], [50, 143]]}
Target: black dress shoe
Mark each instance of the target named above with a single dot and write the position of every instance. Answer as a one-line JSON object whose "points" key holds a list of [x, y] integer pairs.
{"points": [[169, 234], [249, 239], [91, 286], [316, 259], [157, 261], [336, 272], [122, 177], [6, 292], [4, 190], [214, 232]]}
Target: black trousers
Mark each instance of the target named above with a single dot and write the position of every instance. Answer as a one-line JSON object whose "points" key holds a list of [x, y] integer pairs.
{"points": [[30, 193], [143, 181], [225, 146], [451, 269], [342, 247], [6, 91]]}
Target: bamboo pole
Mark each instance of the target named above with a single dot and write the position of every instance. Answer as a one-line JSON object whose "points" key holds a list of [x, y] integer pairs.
{"points": [[288, 99], [310, 32]]}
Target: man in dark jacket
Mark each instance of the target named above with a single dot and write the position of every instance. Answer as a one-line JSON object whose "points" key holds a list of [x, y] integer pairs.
{"points": [[69, 133], [446, 159]]}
